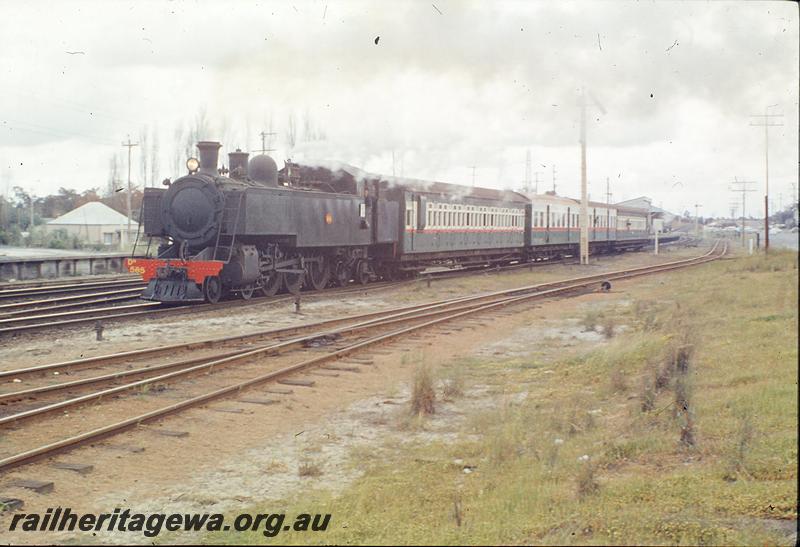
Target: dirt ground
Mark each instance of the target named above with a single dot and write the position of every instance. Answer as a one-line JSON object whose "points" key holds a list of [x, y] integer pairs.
{"points": [[237, 453]]}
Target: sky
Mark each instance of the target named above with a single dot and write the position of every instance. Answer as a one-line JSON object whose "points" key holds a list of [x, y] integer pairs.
{"points": [[443, 90]]}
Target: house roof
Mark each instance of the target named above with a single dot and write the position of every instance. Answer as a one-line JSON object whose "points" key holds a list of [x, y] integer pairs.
{"points": [[92, 213]]}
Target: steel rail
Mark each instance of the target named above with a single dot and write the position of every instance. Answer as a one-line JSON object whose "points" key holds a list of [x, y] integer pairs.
{"points": [[270, 332], [68, 305], [78, 312], [63, 299], [438, 275], [66, 288], [202, 307], [103, 432], [392, 315], [207, 363]]}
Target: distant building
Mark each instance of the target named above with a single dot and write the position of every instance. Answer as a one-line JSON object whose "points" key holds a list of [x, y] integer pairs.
{"points": [[646, 203], [95, 223]]}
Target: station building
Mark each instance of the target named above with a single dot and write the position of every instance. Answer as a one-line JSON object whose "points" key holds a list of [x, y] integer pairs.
{"points": [[96, 223]]}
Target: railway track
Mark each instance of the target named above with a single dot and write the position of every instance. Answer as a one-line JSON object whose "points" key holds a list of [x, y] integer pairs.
{"points": [[235, 364], [11, 291], [30, 316], [111, 301]]}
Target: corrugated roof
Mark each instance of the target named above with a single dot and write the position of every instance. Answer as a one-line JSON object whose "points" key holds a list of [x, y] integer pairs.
{"points": [[92, 213]]}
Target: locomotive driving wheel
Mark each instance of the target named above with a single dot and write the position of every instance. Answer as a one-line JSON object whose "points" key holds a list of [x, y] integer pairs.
{"points": [[362, 272], [294, 281], [341, 277], [212, 289], [318, 273], [271, 284]]}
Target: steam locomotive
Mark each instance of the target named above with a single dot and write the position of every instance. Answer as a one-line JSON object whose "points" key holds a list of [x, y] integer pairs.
{"points": [[251, 228]]}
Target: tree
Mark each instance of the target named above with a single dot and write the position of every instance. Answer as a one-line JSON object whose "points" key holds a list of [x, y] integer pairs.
{"points": [[25, 201]]}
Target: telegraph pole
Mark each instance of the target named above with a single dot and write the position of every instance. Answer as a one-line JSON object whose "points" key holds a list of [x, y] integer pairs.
{"points": [[536, 182], [608, 192], [129, 146], [584, 216], [742, 187], [696, 220], [766, 120]]}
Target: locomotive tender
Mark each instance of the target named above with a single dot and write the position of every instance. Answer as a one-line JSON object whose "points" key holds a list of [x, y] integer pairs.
{"points": [[254, 228]]}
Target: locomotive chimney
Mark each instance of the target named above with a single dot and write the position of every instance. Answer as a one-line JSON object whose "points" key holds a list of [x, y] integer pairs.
{"points": [[237, 161], [209, 153]]}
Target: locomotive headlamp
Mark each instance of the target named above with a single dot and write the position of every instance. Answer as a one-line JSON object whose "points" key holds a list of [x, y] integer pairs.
{"points": [[192, 164]]}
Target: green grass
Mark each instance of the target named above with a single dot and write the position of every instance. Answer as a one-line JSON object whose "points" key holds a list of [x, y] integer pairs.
{"points": [[578, 460]]}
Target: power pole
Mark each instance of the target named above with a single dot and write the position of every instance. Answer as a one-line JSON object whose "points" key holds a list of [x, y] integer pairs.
{"points": [[130, 146], [741, 186], [608, 192], [536, 182], [584, 216], [766, 120], [554, 179], [696, 220]]}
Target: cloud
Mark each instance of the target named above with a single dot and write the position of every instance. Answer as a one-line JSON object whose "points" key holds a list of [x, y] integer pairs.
{"points": [[445, 88]]}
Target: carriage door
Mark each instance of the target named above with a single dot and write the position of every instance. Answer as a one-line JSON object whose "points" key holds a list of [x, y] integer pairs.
{"points": [[547, 226], [411, 224], [569, 223]]}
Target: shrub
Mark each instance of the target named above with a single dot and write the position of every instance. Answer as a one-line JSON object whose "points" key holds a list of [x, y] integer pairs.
{"points": [[423, 396], [586, 483]]}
